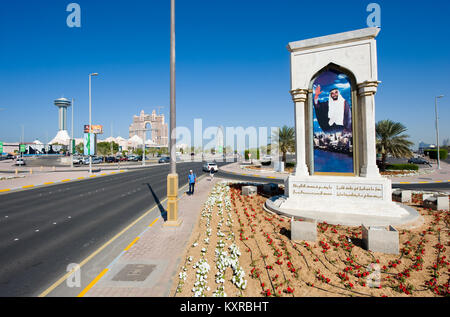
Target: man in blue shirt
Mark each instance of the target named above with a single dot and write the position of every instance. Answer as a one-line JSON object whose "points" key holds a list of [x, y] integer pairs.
{"points": [[191, 178]]}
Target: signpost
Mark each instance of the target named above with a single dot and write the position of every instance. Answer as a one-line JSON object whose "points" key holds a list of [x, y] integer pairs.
{"points": [[89, 144]]}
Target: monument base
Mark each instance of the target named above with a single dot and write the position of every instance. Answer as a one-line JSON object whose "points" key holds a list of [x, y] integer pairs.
{"points": [[341, 200]]}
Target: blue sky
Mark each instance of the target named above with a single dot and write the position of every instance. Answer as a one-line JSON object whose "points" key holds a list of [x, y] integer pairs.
{"points": [[232, 61]]}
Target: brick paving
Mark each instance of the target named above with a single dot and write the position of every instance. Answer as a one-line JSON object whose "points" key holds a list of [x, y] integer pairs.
{"points": [[158, 245]]}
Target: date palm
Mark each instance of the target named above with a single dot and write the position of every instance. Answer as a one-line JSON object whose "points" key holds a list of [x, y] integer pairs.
{"points": [[284, 140], [392, 140]]}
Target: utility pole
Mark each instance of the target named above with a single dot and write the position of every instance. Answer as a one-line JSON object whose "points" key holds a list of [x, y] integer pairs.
{"points": [[90, 123], [172, 178], [437, 131], [72, 143]]}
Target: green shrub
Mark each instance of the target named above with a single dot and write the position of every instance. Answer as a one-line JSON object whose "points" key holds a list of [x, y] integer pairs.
{"points": [[432, 154], [401, 167], [246, 152]]}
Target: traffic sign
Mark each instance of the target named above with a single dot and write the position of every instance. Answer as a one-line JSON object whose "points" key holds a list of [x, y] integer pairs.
{"points": [[1, 147], [22, 148]]}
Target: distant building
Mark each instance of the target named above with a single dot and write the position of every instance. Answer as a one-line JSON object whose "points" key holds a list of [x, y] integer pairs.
{"points": [[153, 123]]}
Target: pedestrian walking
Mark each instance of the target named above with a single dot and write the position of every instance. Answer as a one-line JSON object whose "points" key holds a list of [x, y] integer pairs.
{"points": [[192, 178], [211, 173]]}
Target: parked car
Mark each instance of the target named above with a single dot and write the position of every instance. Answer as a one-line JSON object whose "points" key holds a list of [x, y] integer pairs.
{"points": [[97, 159], [208, 166], [77, 160], [418, 160], [164, 159], [20, 162], [111, 159]]}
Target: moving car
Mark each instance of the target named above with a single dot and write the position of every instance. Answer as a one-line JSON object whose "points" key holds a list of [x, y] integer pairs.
{"points": [[418, 160], [20, 162], [208, 166], [164, 159]]}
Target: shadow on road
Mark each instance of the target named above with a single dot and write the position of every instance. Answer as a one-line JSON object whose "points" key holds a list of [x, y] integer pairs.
{"points": [[158, 202]]}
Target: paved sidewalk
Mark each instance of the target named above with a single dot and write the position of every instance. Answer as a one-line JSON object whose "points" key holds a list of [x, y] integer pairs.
{"points": [[148, 266]]}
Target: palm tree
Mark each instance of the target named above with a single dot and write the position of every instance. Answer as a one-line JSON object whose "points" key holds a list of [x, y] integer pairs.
{"points": [[390, 140], [284, 140]]}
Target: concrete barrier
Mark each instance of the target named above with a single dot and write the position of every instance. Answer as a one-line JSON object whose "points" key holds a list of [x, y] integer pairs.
{"points": [[303, 230], [380, 239]]}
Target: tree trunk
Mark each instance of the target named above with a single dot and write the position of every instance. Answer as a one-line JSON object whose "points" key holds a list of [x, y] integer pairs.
{"points": [[284, 157]]}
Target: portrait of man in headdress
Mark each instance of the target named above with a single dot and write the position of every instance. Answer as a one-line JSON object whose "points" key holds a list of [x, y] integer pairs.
{"points": [[334, 114]]}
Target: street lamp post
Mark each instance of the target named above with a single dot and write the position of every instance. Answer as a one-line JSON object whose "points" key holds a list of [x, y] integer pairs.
{"points": [[90, 121], [172, 177], [437, 131], [71, 141]]}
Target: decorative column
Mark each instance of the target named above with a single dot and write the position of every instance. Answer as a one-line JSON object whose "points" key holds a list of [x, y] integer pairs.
{"points": [[368, 153], [300, 96]]}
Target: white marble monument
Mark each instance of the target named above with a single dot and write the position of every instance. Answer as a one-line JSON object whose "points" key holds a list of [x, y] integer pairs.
{"points": [[345, 130]]}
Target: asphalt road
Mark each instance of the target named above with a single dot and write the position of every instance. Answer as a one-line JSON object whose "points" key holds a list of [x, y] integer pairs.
{"points": [[44, 229]]}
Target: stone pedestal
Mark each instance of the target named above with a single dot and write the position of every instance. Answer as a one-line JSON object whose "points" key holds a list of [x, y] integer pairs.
{"points": [[437, 202], [340, 194], [403, 196], [303, 231], [249, 190], [380, 239]]}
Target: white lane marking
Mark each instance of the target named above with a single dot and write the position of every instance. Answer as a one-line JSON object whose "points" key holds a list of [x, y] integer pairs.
{"points": [[37, 230], [54, 223], [16, 239]]}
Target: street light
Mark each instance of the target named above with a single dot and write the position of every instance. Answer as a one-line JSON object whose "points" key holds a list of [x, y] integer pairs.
{"points": [[90, 121], [72, 140], [437, 130], [172, 178]]}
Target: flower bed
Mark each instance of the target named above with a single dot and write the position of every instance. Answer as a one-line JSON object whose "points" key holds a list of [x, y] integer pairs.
{"points": [[248, 253]]}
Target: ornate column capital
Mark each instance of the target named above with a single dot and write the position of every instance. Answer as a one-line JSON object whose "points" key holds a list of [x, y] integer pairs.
{"points": [[299, 95], [368, 88]]}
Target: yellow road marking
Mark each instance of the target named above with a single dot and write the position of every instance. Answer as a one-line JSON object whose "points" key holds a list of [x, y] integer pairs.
{"points": [[4, 190], [423, 182], [28, 186], [92, 283], [113, 172], [66, 180], [64, 277], [121, 171], [405, 183], [438, 181], [81, 177], [104, 174], [48, 183], [270, 176], [154, 222], [92, 175], [131, 244]]}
